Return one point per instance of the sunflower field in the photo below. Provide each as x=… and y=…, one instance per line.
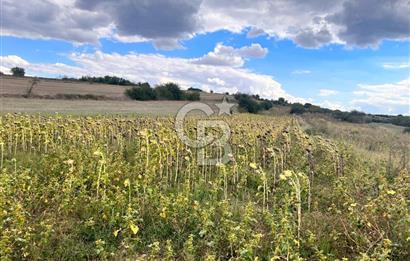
x=125, y=187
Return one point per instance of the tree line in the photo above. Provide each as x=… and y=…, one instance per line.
x=255, y=104
x=246, y=102
x=167, y=91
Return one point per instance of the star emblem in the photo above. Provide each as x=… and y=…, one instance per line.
x=224, y=107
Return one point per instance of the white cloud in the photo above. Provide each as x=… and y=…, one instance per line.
x=310, y=23
x=327, y=92
x=217, y=81
x=10, y=61
x=301, y=72
x=157, y=69
x=255, y=32
x=334, y=105
x=385, y=98
x=224, y=55
x=392, y=66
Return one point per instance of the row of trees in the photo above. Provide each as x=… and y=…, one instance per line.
x=114, y=80
x=168, y=91
x=254, y=104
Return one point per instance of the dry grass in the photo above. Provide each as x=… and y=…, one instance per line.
x=48, y=87
x=111, y=98
x=88, y=106
x=378, y=141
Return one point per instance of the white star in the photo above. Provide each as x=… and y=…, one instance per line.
x=224, y=107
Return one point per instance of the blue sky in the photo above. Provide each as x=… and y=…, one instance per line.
x=322, y=58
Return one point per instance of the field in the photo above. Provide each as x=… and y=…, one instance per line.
x=88, y=107
x=125, y=187
x=51, y=96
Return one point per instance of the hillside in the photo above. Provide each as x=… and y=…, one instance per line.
x=17, y=87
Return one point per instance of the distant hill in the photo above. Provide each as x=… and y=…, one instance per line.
x=74, y=89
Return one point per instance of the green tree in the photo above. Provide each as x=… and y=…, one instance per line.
x=18, y=71
x=297, y=108
x=141, y=92
x=169, y=91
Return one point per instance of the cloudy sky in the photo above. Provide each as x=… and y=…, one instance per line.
x=346, y=54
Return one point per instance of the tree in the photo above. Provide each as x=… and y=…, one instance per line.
x=297, y=108
x=282, y=101
x=141, y=92
x=192, y=96
x=247, y=103
x=169, y=91
x=18, y=71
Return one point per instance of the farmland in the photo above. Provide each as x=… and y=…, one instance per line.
x=51, y=96
x=117, y=187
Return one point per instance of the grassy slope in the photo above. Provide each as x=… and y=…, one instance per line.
x=114, y=101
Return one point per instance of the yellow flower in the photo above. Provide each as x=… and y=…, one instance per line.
x=287, y=173
x=116, y=232
x=253, y=165
x=126, y=182
x=391, y=192
x=163, y=213
x=134, y=228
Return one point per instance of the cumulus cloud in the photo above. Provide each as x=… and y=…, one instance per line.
x=224, y=55
x=367, y=22
x=327, y=92
x=311, y=38
x=52, y=19
x=385, y=98
x=255, y=32
x=334, y=105
x=310, y=23
x=157, y=69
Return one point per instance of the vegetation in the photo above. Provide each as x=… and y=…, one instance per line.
x=247, y=103
x=141, y=92
x=126, y=188
x=18, y=71
x=192, y=96
x=114, y=80
x=254, y=104
x=194, y=89
x=168, y=91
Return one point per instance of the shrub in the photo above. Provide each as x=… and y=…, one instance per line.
x=194, y=89
x=114, y=80
x=141, y=92
x=247, y=103
x=192, y=96
x=18, y=71
x=266, y=105
x=169, y=91
x=297, y=108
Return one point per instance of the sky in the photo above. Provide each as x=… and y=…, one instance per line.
x=347, y=54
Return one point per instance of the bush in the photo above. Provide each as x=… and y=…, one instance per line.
x=247, y=103
x=114, y=80
x=266, y=105
x=192, y=96
x=141, y=92
x=297, y=108
x=194, y=89
x=169, y=91
x=18, y=71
